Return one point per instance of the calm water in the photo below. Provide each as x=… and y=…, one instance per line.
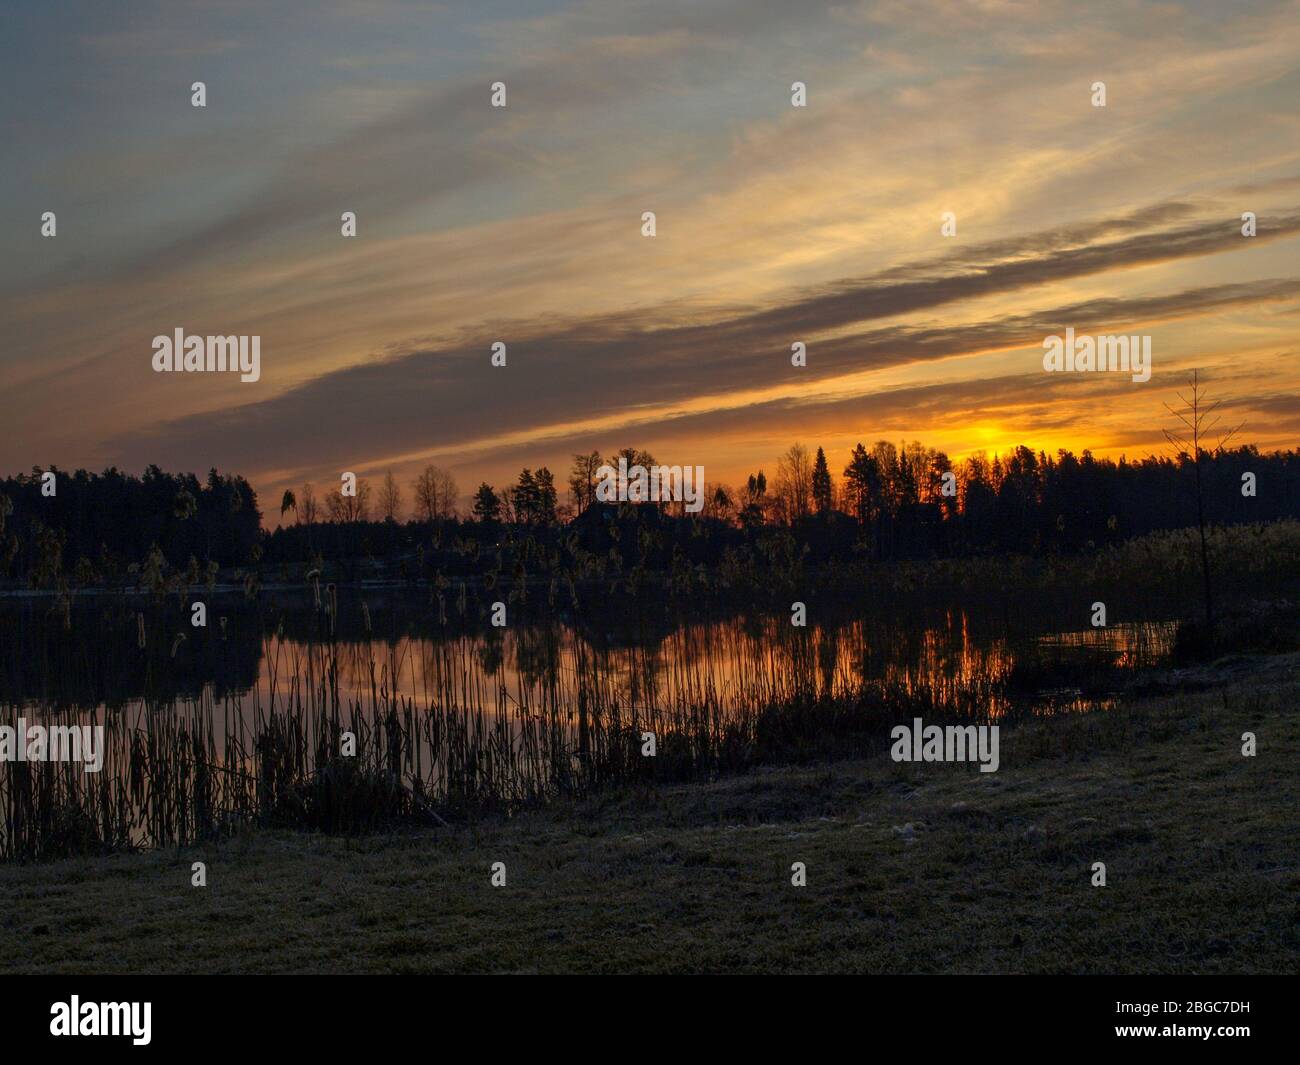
x=207, y=726
x=251, y=656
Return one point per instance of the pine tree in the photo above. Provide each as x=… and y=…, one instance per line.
x=546, y=497
x=821, y=485
x=487, y=504
x=525, y=496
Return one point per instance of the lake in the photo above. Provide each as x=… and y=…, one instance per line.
x=250, y=717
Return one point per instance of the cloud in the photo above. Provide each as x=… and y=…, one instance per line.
x=522, y=225
x=625, y=367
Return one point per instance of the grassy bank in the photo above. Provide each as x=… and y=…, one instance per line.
x=1201, y=845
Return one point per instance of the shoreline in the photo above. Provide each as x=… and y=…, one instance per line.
x=910, y=868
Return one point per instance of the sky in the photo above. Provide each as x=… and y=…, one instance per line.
x=775, y=225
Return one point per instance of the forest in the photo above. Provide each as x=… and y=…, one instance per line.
x=888, y=502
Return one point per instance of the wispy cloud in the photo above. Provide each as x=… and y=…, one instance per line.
x=776, y=224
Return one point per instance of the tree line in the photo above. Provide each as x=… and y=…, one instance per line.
x=1023, y=498
x=888, y=501
x=83, y=526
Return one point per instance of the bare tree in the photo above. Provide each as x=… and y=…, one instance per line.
x=435, y=494
x=355, y=507
x=1197, y=424
x=307, y=512
x=390, y=498
x=582, y=479
x=794, y=472
x=350, y=507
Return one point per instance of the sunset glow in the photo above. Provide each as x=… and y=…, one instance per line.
x=775, y=224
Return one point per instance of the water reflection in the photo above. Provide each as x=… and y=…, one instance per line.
x=249, y=719
x=101, y=663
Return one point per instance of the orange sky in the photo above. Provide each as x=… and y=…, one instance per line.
x=775, y=225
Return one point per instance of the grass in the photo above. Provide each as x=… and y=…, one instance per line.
x=1201, y=845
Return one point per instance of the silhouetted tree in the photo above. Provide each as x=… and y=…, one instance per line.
x=823, y=491
x=435, y=495
x=547, y=498
x=390, y=498
x=1198, y=421
x=487, y=505
x=794, y=473
x=582, y=479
